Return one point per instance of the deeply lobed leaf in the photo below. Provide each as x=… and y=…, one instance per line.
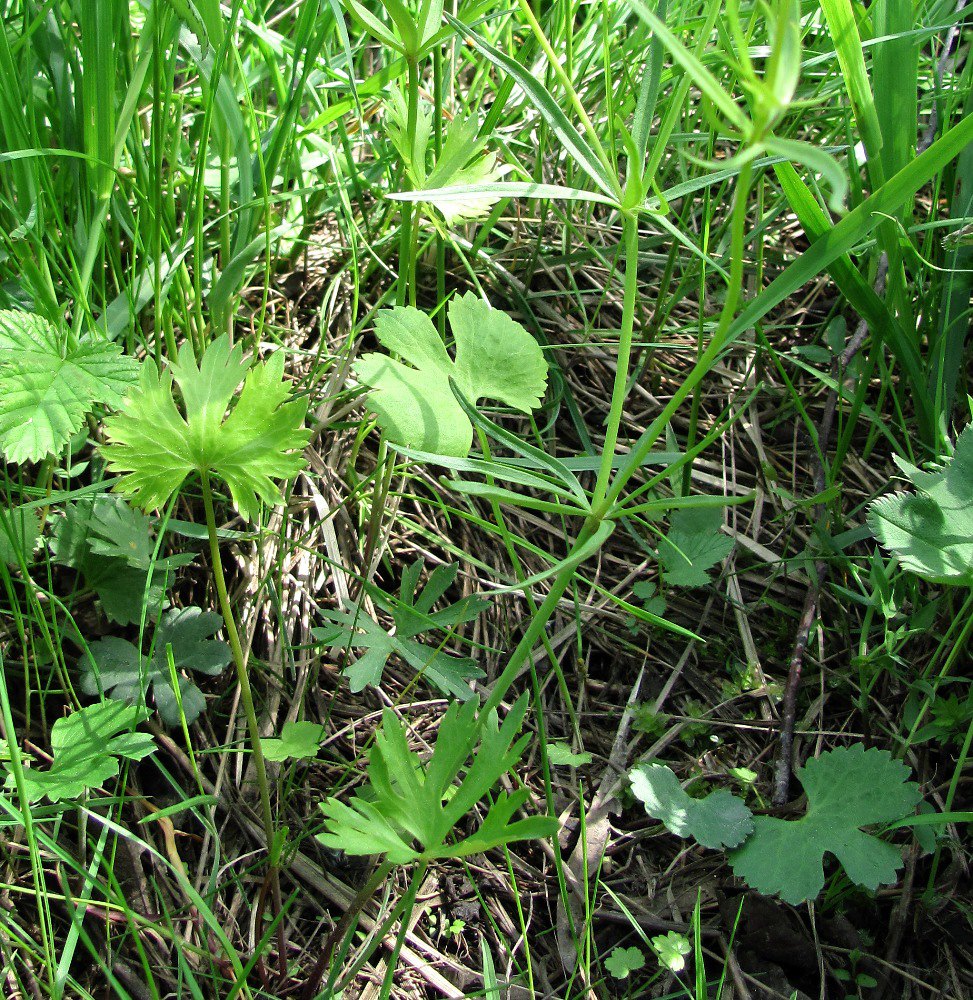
x=156, y=447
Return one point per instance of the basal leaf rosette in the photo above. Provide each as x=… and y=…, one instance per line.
x=496, y=358
x=248, y=443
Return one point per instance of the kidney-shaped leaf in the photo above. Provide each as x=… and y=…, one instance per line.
x=496, y=358
x=846, y=788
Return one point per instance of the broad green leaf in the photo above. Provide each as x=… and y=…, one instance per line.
x=111, y=545
x=117, y=667
x=692, y=546
x=561, y=754
x=297, y=741
x=19, y=534
x=931, y=531
x=847, y=789
x=47, y=387
x=719, y=820
x=495, y=358
x=413, y=809
x=458, y=185
x=85, y=746
x=156, y=446
x=624, y=961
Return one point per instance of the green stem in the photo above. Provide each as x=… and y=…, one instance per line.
x=240, y=661
x=406, y=291
x=630, y=241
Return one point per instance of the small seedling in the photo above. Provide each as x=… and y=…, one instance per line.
x=671, y=950
x=297, y=741
x=622, y=962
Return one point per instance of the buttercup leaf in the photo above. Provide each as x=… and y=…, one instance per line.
x=115, y=665
x=47, y=387
x=624, y=961
x=297, y=741
x=85, y=746
x=495, y=358
x=718, y=820
x=156, y=446
x=692, y=546
x=931, y=531
x=412, y=808
x=846, y=788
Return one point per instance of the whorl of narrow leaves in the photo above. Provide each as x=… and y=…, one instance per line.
x=496, y=358
x=47, y=387
x=156, y=444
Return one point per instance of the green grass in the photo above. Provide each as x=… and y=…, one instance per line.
x=700, y=203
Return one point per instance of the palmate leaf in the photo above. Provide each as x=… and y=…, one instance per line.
x=718, y=820
x=48, y=387
x=117, y=667
x=411, y=808
x=112, y=545
x=461, y=164
x=413, y=615
x=156, y=446
x=692, y=546
x=846, y=788
x=931, y=531
x=496, y=358
x=85, y=746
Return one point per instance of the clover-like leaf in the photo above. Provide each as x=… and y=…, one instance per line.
x=297, y=741
x=671, y=950
x=931, y=531
x=496, y=358
x=413, y=809
x=115, y=665
x=85, y=748
x=156, y=445
x=47, y=385
x=692, y=546
x=847, y=789
x=718, y=820
x=622, y=962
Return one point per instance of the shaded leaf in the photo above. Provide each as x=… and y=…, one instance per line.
x=297, y=741
x=692, y=546
x=85, y=748
x=116, y=665
x=718, y=820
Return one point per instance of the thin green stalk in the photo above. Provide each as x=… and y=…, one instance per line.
x=630, y=242
x=240, y=661
x=406, y=290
